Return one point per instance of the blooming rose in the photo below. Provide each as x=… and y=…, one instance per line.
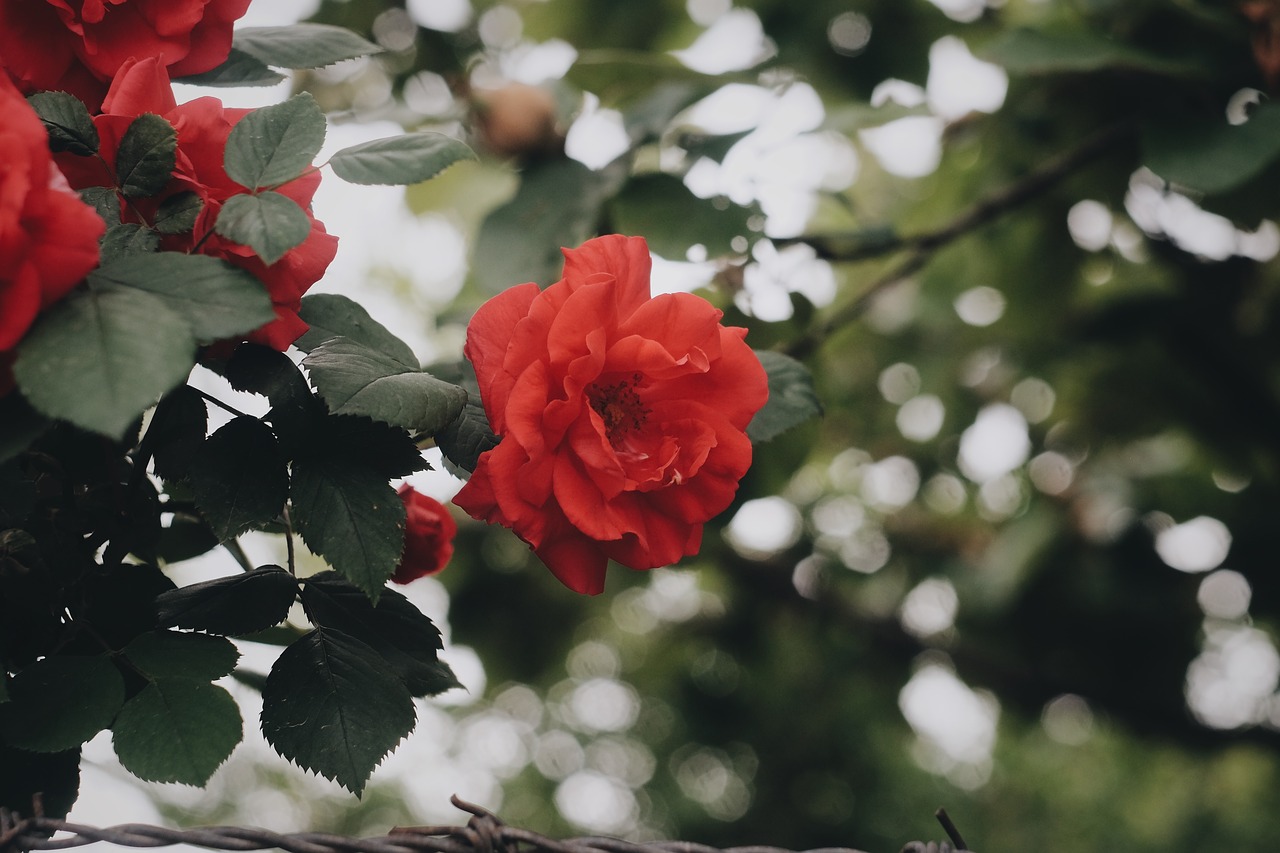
x=203, y=126
x=622, y=417
x=77, y=46
x=48, y=236
x=428, y=536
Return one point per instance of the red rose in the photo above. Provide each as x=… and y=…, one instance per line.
x=79, y=45
x=48, y=236
x=203, y=126
x=622, y=417
x=428, y=536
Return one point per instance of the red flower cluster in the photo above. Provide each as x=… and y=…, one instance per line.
x=48, y=236
x=78, y=46
x=428, y=536
x=203, y=126
x=622, y=417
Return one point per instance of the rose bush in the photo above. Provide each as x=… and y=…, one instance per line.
x=203, y=125
x=622, y=417
x=48, y=236
x=77, y=46
x=428, y=536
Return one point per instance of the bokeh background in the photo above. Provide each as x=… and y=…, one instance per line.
x=1025, y=565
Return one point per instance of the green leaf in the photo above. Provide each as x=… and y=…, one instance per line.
x=55, y=777
x=351, y=517
x=174, y=654
x=239, y=480
x=712, y=146
x=295, y=411
x=177, y=430
x=558, y=204
x=467, y=437
x=394, y=628
x=672, y=219
x=302, y=45
x=406, y=159
x=145, y=157
x=1212, y=156
x=217, y=300
x=101, y=356
x=177, y=730
x=621, y=75
x=234, y=606
x=239, y=69
x=58, y=703
x=105, y=202
x=126, y=239
x=356, y=380
x=177, y=214
x=20, y=425
x=1026, y=51
x=275, y=144
x=387, y=450
x=330, y=706
x=67, y=121
x=792, y=399
x=184, y=538
x=269, y=223
x=330, y=315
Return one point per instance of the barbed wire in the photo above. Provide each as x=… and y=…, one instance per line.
x=483, y=833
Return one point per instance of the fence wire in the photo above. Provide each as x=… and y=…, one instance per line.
x=483, y=833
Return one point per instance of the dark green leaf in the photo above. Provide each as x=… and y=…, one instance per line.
x=330, y=706
x=100, y=357
x=239, y=69
x=55, y=777
x=302, y=45
x=1212, y=156
x=386, y=450
x=330, y=315
x=356, y=380
x=177, y=730
x=125, y=239
x=404, y=159
x=394, y=628
x=68, y=122
x=269, y=223
x=295, y=411
x=105, y=201
x=120, y=602
x=467, y=437
x=177, y=214
x=275, y=144
x=174, y=654
x=1025, y=51
x=145, y=158
x=177, y=431
x=792, y=399
x=236, y=605
x=59, y=703
x=239, y=479
x=184, y=538
x=349, y=515
x=20, y=425
x=672, y=219
x=217, y=300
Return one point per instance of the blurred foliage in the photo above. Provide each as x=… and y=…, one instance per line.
x=1143, y=368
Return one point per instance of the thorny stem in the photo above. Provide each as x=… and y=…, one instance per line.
x=923, y=245
x=288, y=540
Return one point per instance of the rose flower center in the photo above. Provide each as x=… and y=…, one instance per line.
x=619, y=406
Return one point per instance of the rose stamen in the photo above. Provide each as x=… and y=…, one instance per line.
x=619, y=406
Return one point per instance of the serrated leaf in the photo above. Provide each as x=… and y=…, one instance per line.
x=275, y=144
x=792, y=399
x=177, y=214
x=177, y=730
x=331, y=315
x=356, y=380
x=406, y=159
x=351, y=517
x=67, y=121
x=329, y=705
x=55, y=777
x=386, y=450
x=269, y=223
x=104, y=201
x=20, y=425
x=174, y=654
x=468, y=436
x=233, y=606
x=125, y=239
x=58, y=703
x=239, y=69
x=145, y=156
x=102, y=356
x=239, y=480
x=394, y=628
x=673, y=219
x=184, y=538
x=295, y=411
x=302, y=45
x=1213, y=156
x=217, y=300
x=177, y=430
